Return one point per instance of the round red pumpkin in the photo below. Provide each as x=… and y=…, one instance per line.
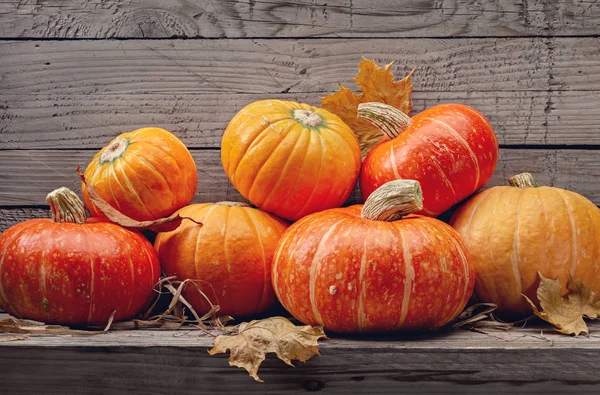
x=75, y=273
x=451, y=149
x=230, y=255
x=352, y=273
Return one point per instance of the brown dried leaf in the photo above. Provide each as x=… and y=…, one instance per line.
x=565, y=313
x=12, y=338
x=167, y=224
x=19, y=326
x=377, y=85
x=274, y=334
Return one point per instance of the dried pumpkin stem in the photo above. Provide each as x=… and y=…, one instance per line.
x=66, y=206
x=523, y=180
x=393, y=200
x=232, y=204
x=384, y=117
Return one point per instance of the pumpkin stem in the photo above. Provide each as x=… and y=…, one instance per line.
x=384, y=117
x=66, y=206
x=393, y=200
x=523, y=180
x=232, y=204
x=308, y=118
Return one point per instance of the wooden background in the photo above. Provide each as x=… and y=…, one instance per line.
x=74, y=74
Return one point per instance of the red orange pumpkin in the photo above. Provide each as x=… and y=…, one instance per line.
x=361, y=269
x=290, y=159
x=146, y=174
x=73, y=271
x=451, y=149
x=230, y=256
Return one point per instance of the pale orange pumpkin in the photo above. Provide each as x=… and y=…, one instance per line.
x=145, y=174
x=361, y=269
x=514, y=232
x=230, y=256
x=290, y=159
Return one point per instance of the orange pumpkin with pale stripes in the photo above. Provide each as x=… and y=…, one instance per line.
x=230, y=256
x=71, y=270
x=145, y=174
x=451, y=149
x=514, y=232
x=351, y=272
x=290, y=159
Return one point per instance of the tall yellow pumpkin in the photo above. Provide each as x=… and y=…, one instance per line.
x=512, y=232
x=290, y=159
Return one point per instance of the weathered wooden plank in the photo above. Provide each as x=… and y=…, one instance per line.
x=303, y=18
x=90, y=121
x=296, y=66
x=11, y=216
x=27, y=176
x=154, y=362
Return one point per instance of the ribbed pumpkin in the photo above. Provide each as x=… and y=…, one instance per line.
x=145, y=174
x=362, y=269
x=451, y=149
x=290, y=159
x=72, y=271
x=231, y=256
x=514, y=232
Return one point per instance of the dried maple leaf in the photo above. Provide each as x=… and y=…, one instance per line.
x=377, y=85
x=565, y=313
x=275, y=334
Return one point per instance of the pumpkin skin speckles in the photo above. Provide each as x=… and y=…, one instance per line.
x=290, y=159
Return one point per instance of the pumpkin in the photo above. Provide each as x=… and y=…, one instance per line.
x=367, y=269
x=290, y=159
x=451, y=149
x=230, y=255
x=74, y=271
x=514, y=232
x=146, y=174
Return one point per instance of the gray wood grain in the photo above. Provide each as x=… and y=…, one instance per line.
x=536, y=359
x=279, y=66
x=91, y=121
x=27, y=176
x=304, y=18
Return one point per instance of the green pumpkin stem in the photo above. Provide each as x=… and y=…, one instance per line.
x=66, y=206
x=393, y=200
x=523, y=180
x=384, y=117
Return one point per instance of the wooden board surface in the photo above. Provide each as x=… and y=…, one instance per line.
x=303, y=18
x=278, y=66
x=78, y=120
x=535, y=358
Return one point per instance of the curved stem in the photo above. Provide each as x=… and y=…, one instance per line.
x=384, y=117
x=523, y=180
x=66, y=206
x=393, y=200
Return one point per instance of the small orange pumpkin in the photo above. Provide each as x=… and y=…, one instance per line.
x=230, y=256
x=290, y=159
x=145, y=174
x=514, y=232
x=360, y=269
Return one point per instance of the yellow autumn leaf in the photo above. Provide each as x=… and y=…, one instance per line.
x=377, y=85
x=565, y=313
x=259, y=337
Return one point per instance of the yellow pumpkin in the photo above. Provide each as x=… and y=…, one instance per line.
x=290, y=159
x=512, y=232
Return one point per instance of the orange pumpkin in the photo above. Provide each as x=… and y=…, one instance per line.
x=290, y=159
x=514, y=232
x=360, y=269
x=230, y=255
x=145, y=174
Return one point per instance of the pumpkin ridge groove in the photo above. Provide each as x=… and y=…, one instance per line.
x=2, y=256
x=514, y=256
x=92, y=273
x=132, y=277
x=393, y=163
x=593, y=227
x=573, y=232
x=287, y=163
x=152, y=167
x=264, y=258
x=318, y=178
x=143, y=185
x=131, y=188
x=409, y=277
x=198, y=239
x=443, y=174
x=313, y=271
x=361, y=294
x=464, y=143
x=42, y=279
x=108, y=181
